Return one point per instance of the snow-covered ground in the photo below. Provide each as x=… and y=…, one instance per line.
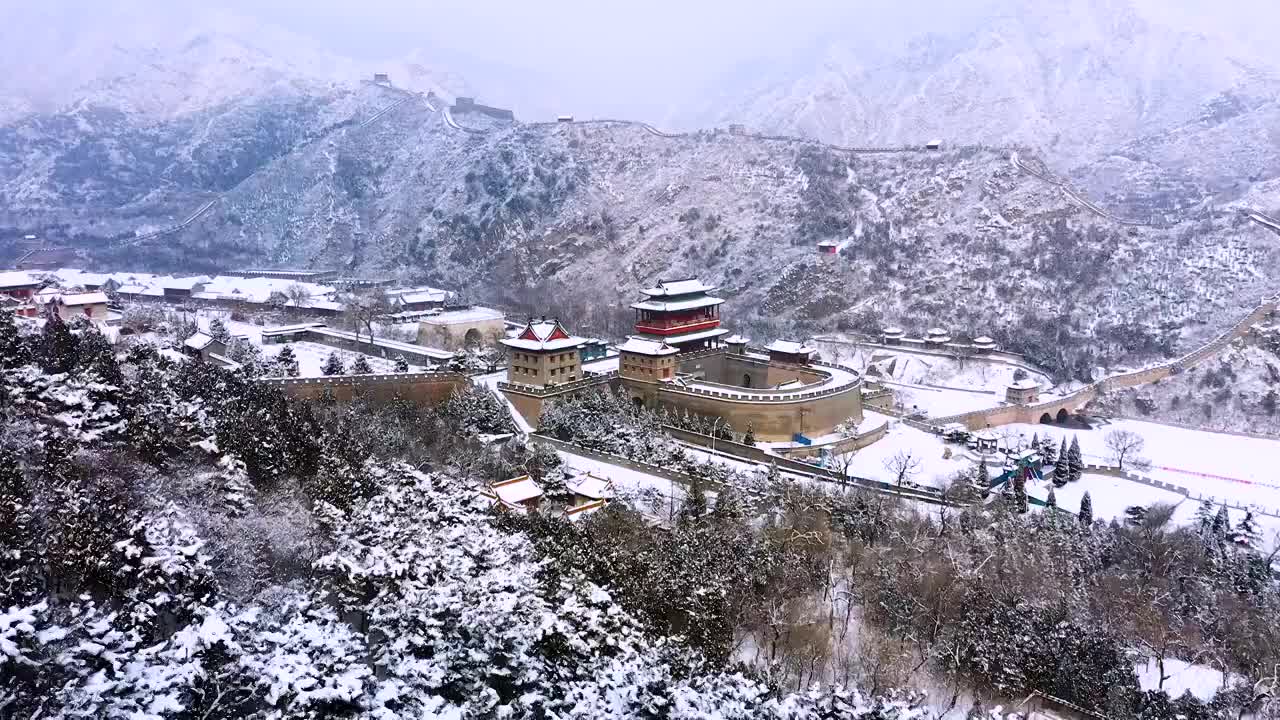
x=929, y=449
x=1111, y=495
x=311, y=357
x=1223, y=467
x=939, y=402
x=1202, y=681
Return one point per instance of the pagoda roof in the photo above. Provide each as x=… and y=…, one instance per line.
x=674, y=288
x=544, y=335
x=687, y=337
x=675, y=305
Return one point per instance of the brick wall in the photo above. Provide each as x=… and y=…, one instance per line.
x=431, y=388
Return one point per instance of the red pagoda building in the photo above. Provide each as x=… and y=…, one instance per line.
x=680, y=313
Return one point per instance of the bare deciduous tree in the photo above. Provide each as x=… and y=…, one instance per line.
x=903, y=466
x=1124, y=445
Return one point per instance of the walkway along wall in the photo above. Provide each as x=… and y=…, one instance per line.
x=1006, y=414
x=426, y=388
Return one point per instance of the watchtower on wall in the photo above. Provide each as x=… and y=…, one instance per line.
x=544, y=353
x=646, y=360
x=680, y=313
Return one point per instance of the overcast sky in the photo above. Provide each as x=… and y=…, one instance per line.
x=623, y=56
x=589, y=57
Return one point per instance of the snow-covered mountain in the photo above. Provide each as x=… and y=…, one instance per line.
x=1075, y=78
x=167, y=60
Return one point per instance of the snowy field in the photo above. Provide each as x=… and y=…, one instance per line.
x=311, y=357
x=1214, y=465
x=940, y=402
x=1202, y=681
x=1111, y=495
x=934, y=469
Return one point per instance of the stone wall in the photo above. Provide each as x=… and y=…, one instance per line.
x=813, y=414
x=428, y=388
x=441, y=332
x=1007, y=414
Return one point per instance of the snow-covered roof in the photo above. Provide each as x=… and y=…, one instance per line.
x=290, y=329
x=198, y=341
x=77, y=299
x=182, y=283
x=640, y=346
x=18, y=279
x=687, y=337
x=468, y=315
x=574, y=514
x=677, y=287
x=937, y=332
x=983, y=340
x=591, y=486
x=1024, y=384
x=690, y=304
x=544, y=335
x=131, y=289
x=515, y=491
x=893, y=330
x=422, y=296
x=789, y=347
x=736, y=339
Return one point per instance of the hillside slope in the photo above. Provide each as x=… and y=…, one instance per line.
x=523, y=214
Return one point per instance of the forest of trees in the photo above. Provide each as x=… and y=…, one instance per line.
x=177, y=541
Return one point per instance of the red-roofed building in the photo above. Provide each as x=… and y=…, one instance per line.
x=544, y=353
x=680, y=313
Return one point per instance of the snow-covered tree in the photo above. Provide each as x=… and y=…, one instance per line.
x=750, y=437
x=218, y=331
x=1062, y=466
x=19, y=536
x=1048, y=452
x=168, y=575
x=58, y=347
x=1052, y=499
x=401, y=365
x=1075, y=460
x=1246, y=535
x=333, y=365
x=14, y=350
x=286, y=363
x=360, y=366
x=1086, y=510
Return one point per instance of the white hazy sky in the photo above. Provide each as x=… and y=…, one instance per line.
x=592, y=57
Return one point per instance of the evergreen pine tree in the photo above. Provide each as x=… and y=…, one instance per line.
x=96, y=356
x=1052, y=500
x=1009, y=495
x=1020, y=492
x=14, y=351
x=1062, y=468
x=1048, y=451
x=58, y=348
x=1075, y=460
x=402, y=365
x=695, y=503
x=333, y=365
x=750, y=438
x=1221, y=524
x=361, y=366
x=286, y=363
x=1204, y=518
x=1035, y=444
x=1246, y=534
x=1135, y=515
x=1086, y=510
x=19, y=549
x=218, y=331
x=982, y=476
